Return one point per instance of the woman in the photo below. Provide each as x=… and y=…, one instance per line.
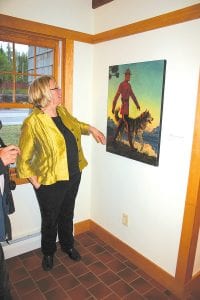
x=52, y=159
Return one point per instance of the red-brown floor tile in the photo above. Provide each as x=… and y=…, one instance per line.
x=143, y=274
x=100, y=290
x=56, y=294
x=87, y=241
x=14, y=263
x=121, y=288
x=32, y=262
x=112, y=297
x=59, y=271
x=105, y=257
x=88, y=279
x=129, y=264
x=98, y=268
x=68, y=282
x=14, y=294
x=155, y=294
x=47, y=284
x=116, y=265
x=78, y=269
x=25, y=286
x=134, y=296
x=88, y=258
x=34, y=295
x=38, y=274
x=141, y=285
x=79, y=293
x=128, y=275
x=18, y=274
x=120, y=257
x=109, y=277
x=96, y=249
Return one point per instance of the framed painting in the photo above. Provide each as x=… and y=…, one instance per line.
x=134, y=112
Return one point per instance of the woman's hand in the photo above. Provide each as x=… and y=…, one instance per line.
x=97, y=135
x=33, y=180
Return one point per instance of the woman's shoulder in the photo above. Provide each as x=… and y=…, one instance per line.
x=32, y=116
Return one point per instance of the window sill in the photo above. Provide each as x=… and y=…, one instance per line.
x=18, y=181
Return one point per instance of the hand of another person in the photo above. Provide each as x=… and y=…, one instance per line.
x=9, y=154
x=98, y=135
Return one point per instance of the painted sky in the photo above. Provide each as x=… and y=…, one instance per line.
x=147, y=84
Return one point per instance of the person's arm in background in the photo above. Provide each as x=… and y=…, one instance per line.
x=8, y=156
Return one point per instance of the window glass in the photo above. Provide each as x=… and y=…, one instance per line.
x=19, y=65
x=22, y=88
x=6, y=57
x=12, y=120
x=21, y=58
x=6, y=88
x=44, y=60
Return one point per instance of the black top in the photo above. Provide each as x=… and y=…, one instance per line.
x=71, y=145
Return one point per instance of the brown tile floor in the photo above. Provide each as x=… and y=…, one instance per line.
x=103, y=273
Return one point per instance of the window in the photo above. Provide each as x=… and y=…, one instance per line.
x=20, y=64
x=49, y=50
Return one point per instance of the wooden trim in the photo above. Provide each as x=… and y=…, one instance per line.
x=191, y=220
x=137, y=259
x=68, y=73
x=32, y=39
x=171, y=18
x=15, y=105
x=175, y=17
x=50, y=31
x=81, y=227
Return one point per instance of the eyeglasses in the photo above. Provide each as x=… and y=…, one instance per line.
x=56, y=88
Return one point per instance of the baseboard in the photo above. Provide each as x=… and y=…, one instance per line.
x=32, y=242
x=22, y=245
x=155, y=272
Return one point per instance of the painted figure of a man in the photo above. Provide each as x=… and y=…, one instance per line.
x=125, y=90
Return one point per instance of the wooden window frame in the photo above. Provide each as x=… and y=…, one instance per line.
x=18, y=36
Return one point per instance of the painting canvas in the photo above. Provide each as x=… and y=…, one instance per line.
x=134, y=113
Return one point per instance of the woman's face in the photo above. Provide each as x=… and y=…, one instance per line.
x=56, y=93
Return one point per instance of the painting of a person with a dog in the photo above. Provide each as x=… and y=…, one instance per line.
x=134, y=114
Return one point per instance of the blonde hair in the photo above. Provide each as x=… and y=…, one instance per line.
x=39, y=92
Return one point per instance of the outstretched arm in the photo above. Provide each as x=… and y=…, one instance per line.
x=97, y=135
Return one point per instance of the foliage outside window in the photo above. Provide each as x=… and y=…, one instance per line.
x=19, y=65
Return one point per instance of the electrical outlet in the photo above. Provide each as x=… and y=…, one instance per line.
x=125, y=219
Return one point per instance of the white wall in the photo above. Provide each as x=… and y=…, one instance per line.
x=122, y=12
x=82, y=109
x=153, y=197
x=70, y=14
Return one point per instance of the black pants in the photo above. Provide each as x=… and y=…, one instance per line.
x=56, y=203
x=4, y=280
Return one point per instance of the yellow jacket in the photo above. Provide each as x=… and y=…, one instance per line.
x=43, y=148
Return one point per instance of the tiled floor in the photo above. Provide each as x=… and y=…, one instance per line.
x=103, y=273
